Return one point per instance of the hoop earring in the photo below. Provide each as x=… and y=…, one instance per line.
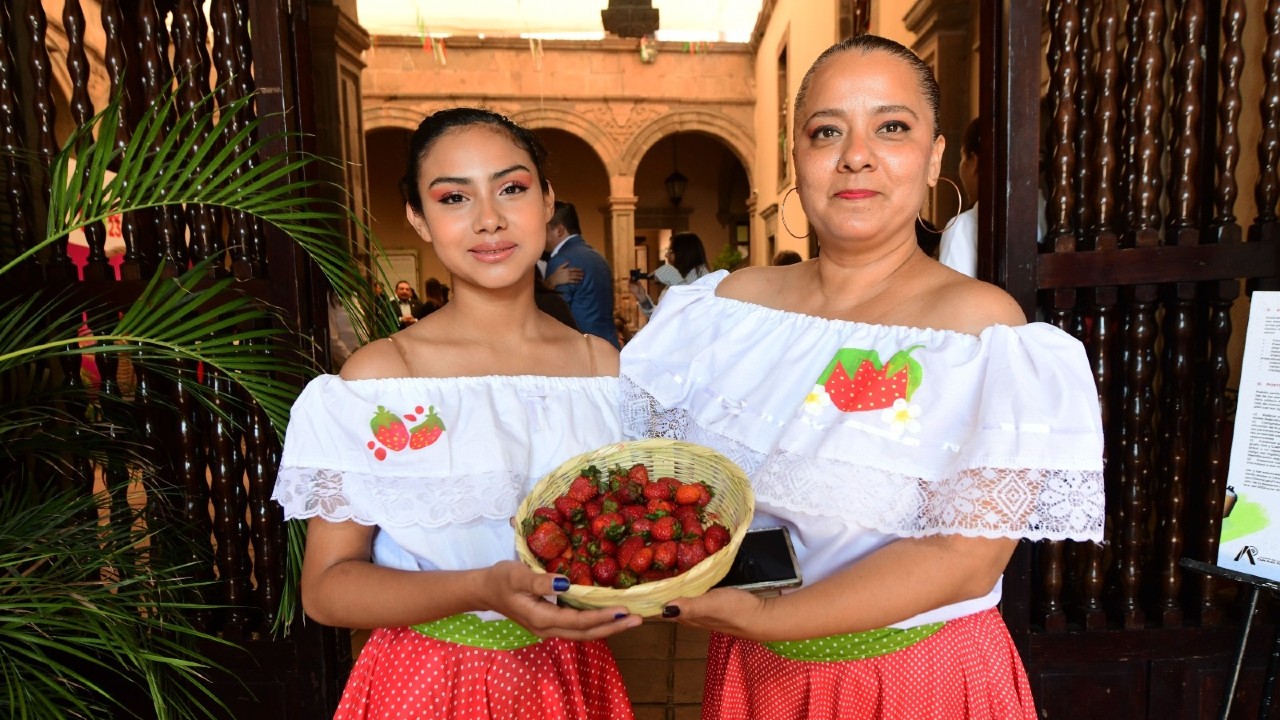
x=952, y=221
x=782, y=213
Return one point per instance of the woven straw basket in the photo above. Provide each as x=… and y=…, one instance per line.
x=732, y=501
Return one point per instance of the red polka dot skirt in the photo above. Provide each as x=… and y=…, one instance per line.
x=968, y=670
x=402, y=674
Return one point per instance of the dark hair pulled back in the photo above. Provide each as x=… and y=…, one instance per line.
x=437, y=124
x=925, y=79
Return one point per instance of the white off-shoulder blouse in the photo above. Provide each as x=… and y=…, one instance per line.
x=439, y=465
x=856, y=434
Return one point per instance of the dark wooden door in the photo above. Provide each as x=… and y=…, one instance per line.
x=224, y=471
x=1159, y=228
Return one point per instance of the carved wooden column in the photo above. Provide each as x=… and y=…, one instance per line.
x=337, y=41
x=943, y=41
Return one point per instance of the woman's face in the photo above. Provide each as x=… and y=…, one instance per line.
x=865, y=154
x=482, y=207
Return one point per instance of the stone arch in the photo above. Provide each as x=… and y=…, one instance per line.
x=734, y=136
x=397, y=116
x=604, y=146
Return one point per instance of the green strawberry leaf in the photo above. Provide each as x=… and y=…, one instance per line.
x=902, y=359
x=851, y=358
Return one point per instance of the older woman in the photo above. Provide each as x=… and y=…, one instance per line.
x=901, y=419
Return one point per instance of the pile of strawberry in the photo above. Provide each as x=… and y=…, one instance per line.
x=620, y=528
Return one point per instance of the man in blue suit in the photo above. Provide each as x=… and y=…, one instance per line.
x=591, y=299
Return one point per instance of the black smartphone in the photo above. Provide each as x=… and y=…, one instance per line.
x=765, y=563
x=637, y=275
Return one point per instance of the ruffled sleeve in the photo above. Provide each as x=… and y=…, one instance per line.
x=321, y=450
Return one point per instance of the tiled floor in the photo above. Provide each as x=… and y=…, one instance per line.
x=662, y=664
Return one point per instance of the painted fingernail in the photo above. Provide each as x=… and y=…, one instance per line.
x=560, y=584
x=619, y=616
x=670, y=611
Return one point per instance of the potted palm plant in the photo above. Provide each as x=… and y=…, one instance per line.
x=88, y=605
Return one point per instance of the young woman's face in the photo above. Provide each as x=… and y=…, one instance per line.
x=482, y=206
x=865, y=151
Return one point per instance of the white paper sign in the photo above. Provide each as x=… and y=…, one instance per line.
x=1250, y=539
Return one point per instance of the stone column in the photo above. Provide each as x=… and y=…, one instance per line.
x=622, y=233
x=758, y=248
x=622, y=225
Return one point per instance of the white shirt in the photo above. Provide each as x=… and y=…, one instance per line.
x=959, y=247
x=995, y=435
x=445, y=505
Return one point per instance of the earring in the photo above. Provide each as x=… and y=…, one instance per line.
x=782, y=213
x=952, y=221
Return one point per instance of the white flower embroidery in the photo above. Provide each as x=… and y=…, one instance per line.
x=817, y=400
x=902, y=417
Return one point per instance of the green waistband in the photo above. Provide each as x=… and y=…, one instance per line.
x=853, y=646
x=467, y=629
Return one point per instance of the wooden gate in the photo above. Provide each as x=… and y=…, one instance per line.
x=148, y=50
x=1148, y=262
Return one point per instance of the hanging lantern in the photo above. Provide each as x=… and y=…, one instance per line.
x=630, y=18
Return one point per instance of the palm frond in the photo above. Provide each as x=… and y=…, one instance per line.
x=86, y=607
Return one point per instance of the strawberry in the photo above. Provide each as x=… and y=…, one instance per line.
x=546, y=513
x=592, y=508
x=607, y=547
x=639, y=473
x=568, y=507
x=641, y=526
x=579, y=573
x=657, y=506
x=664, y=555
x=690, y=526
x=605, y=571
x=657, y=491
x=641, y=560
x=389, y=430
x=608, y=525
x=628, y=491
x=426, y=432
x=872, y=386
x=706, y=494
x=627, y=549
x=690, y=553
x=665, y=528
x=689, y=494
x=654, y=575
x=715, y=537
x=683, y=512
x=583, y=488
x=547, y=540
x=626, y=579
x=631, y=513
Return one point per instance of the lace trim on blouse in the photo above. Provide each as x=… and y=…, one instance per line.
x=993, y=499
x=433, y=502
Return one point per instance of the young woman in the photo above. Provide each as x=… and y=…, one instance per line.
x=412, y=463
x=901, y=419
x=686, y=261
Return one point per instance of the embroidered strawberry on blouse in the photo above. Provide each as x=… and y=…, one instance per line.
x=426, y=432
x=873, y=385
x=389, y=430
